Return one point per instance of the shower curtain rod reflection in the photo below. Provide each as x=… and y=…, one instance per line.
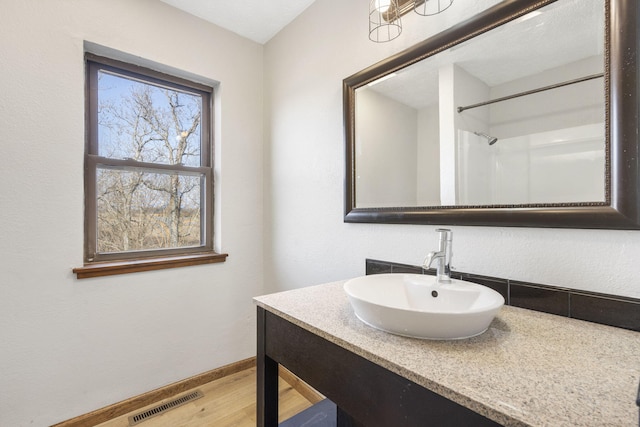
x=529, y=92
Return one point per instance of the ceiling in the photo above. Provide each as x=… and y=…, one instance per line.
x=257, y=20
x=564, y=33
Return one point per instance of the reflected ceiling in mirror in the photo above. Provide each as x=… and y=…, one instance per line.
x=514, y=116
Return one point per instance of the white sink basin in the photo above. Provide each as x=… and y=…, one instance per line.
x=413, y=305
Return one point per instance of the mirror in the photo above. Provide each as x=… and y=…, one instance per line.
x=521, y=116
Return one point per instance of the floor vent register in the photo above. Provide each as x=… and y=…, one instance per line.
x=165, y=407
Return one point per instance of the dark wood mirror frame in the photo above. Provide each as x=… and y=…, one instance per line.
x=621, y=209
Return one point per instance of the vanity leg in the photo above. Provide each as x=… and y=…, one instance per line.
x=344, y=420
x=267, y=380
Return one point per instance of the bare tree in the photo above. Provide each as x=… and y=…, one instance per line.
x=142, y=208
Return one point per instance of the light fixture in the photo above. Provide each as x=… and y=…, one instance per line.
x=431, y=7
x=384, y=20
x=381, y=79
x=529, y=15
x=384, y=15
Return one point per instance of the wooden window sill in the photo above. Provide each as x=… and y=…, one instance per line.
x=134, y=266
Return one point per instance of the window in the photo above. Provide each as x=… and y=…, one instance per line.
x=148, y=170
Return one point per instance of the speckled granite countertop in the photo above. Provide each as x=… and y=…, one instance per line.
x=528, y=369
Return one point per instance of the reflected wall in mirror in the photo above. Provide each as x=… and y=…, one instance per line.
x=418, y=143
x=518, y=116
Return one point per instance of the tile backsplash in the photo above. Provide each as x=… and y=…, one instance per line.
x=612, y=310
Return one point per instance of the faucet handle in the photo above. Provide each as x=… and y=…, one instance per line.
x=426, y=264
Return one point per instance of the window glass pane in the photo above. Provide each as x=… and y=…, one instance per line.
x=142, y=210
x=147, y=123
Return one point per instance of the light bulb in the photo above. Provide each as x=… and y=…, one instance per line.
x=383, y=5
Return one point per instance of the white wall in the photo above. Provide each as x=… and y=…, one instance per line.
x=428, y=159
x=390, y=130
x=476, y=170
x=563, y=165
x=67, y=346
x=471, y=181
x=308, y=242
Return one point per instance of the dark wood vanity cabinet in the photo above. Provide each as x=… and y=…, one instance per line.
x=366, y=394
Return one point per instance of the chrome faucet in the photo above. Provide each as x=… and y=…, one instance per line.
x=442, y=256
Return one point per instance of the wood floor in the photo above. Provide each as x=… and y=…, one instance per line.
x=227, y=402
